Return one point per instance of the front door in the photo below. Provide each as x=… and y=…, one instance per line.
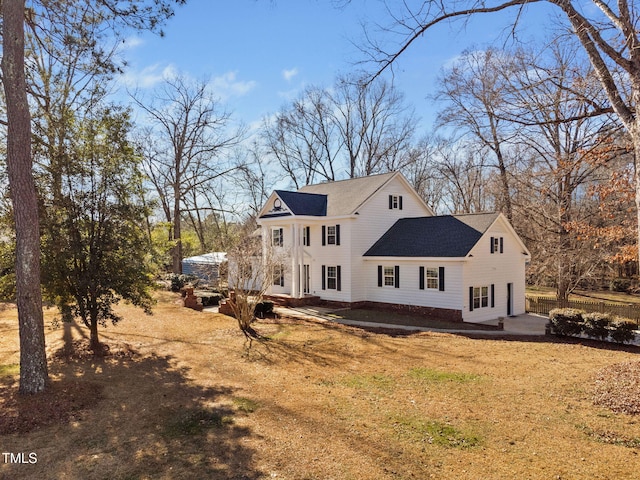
x=509, y=299
x=305, y=279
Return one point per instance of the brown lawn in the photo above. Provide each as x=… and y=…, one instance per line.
x=181, y=398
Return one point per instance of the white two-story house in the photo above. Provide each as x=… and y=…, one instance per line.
x=373, y=241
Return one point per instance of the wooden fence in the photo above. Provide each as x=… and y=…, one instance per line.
x=542, y=306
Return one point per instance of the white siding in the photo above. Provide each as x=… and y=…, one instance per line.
x=409, y=292
x=374, y=219
x=499, y=269
x=331, y=255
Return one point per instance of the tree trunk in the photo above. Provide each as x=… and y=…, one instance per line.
x=635, y=135
x=176, y=251
x=94, y=342
x=33, y=361
x=506, y=194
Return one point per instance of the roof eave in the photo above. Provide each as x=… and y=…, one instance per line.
x=429, y=259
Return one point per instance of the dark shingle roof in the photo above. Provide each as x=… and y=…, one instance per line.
x=304, y=203
x=442, y=236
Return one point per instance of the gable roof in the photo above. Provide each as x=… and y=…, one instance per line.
x=441, y=236
x=304, y=203
x=346, y=196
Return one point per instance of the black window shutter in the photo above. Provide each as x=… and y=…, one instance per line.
x=400, y=202
x=493, y=295
x=281, y=237
x=390, y=202
x=324, y=277
x=501, y=244
x=441, y=279
x=491, y=244
x=338, y=278
x=471, y=299
x=337, y=234
x=308, y=236
x=324, y=236
x=379, y=275
x=421, y=278
x=397, y=276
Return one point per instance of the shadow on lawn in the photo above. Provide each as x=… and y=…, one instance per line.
x=142, y=417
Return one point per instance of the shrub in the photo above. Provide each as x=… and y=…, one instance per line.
x=263, y=308
x=566, y=321
x=179, y=281
x=210, y=299
x=620, y=285
x=596, y=325
x=623, y=330
x=176, y=283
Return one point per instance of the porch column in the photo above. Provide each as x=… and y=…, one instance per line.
x=300, y=261
x=295, y=280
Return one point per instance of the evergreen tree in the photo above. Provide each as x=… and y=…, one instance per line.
x=95, y=249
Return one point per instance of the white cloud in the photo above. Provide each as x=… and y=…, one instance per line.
x=148, y=77
x=224, y=86
x=227, y=85
x=289, y=74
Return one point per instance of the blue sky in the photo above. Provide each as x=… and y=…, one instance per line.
x=260, y=53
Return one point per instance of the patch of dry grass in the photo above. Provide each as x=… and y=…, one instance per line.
x=181, y=397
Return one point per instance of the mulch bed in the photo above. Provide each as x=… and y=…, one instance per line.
x=617, y=387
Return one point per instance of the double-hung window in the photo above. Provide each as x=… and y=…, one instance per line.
x=389, y=277
x=277, y=237
x=480, y=297
x=331, y=235
x=306, y=237
x=432, y=278
x=332, y=278
x=278, y=275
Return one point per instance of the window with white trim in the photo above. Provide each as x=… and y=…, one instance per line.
x=331, y=235
x=395, y=202
x=480, y=297
x=497, y=244
x=389, y=275
x=432, y=278
x=277, y=237
x=332, y=278
x=305, y=236
x=278, y=275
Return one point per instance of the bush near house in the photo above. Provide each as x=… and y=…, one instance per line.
x=263, y=309
x=178, y=282
x=209, y=299
x=599, y=326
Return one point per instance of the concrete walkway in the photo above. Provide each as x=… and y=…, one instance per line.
x=525, y=324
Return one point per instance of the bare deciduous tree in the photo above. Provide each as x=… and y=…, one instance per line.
x=354, y=127
x=608, y=34
x=252, y=266
x=474, y=89
x=187, y=140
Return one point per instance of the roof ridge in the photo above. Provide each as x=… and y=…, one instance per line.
x=330, y=182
